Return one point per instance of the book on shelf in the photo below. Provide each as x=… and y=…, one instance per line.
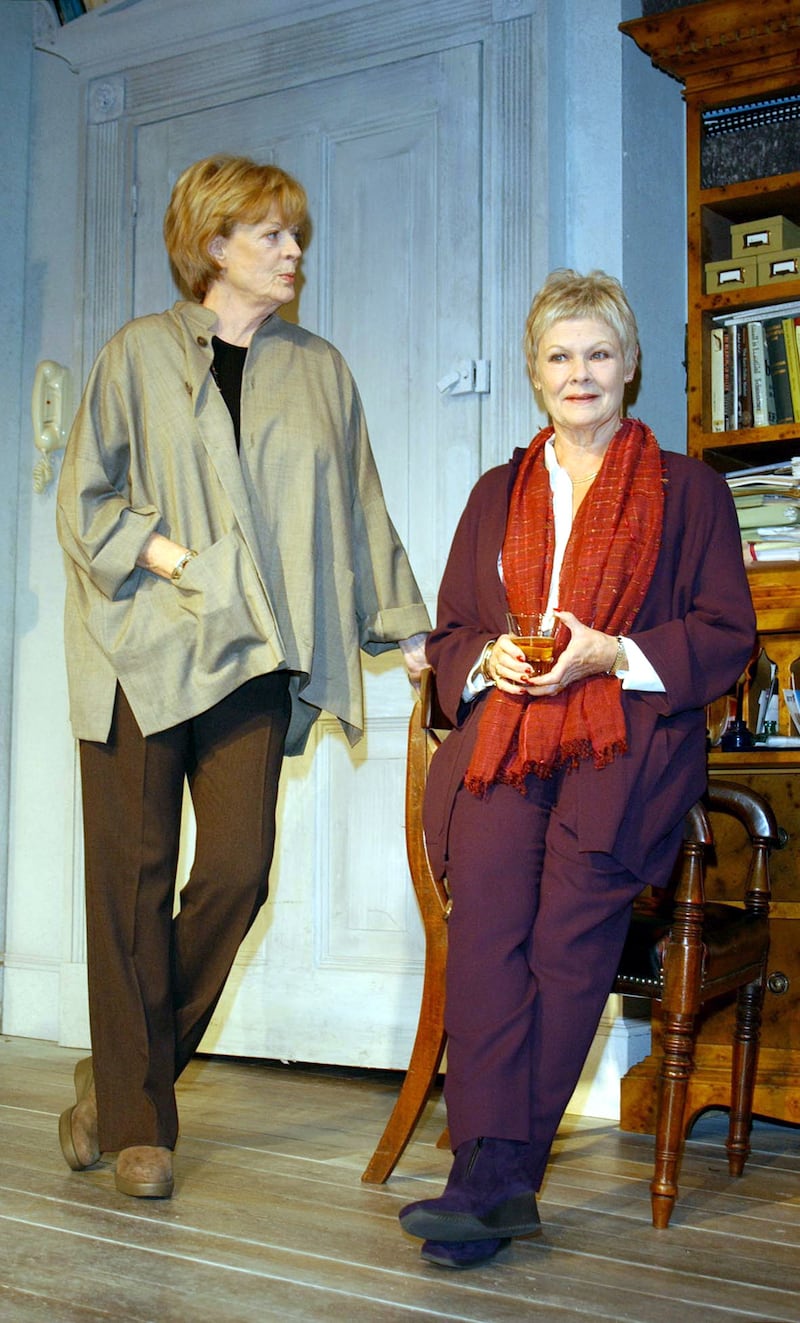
x=759, y=552
x=749, y=489
x=792, y=363
x=731, y=378
x=789, y=308
x=775, y=337
x=745, y=497
x=763, y=394
x=744, y=391
x=767, y=477
x=728, y=379
x=770, y=514
x=745, y=500
x=781, y=472
x=718, y=379
x=790, y=533
x=772, y=409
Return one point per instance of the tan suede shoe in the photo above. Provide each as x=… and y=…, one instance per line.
x=144, y=1172
x=77, y=1126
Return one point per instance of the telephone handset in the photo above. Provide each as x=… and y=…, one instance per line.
x=50, y=402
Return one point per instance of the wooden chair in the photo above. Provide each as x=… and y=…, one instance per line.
x=681, y=951
x=426, y=728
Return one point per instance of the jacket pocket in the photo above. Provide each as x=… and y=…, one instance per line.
x=221, y=603
x=213, y=616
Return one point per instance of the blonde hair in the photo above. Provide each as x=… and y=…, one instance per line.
x=214, y=195
x=566, y=295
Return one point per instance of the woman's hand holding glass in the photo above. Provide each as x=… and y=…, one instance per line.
x=589, y=652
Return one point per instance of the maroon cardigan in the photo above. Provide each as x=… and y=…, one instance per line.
x=696, y=626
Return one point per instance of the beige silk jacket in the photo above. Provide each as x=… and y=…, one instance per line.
x=298, y=564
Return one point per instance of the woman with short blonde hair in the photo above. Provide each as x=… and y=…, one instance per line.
x=562, y=790
x=566, y=295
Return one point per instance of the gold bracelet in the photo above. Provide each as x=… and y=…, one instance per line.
x=618, y=660
x=484, y=664
x=181, y=564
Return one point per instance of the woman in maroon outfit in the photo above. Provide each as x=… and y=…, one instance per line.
x=557, y=797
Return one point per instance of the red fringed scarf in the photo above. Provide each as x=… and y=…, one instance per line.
x=607, y=568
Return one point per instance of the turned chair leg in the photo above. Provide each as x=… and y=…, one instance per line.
x=743, y=1074
x=676, y=1068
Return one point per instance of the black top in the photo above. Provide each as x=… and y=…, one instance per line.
x=227, y=370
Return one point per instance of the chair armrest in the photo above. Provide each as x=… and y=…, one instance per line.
x=753, y=811
x=758, y=819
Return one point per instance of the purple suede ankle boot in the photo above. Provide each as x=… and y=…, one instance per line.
x=461, y=1253
x=488, y=1195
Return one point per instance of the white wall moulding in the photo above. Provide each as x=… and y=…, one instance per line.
x=106, y=99
x=152, y=30
x=504, y=10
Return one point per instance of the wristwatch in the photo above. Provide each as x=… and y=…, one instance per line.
x=619, y=662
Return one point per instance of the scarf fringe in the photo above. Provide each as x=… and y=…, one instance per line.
x=567, y=759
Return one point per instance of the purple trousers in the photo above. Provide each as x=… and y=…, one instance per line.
x=535, y=937
x=155, y=976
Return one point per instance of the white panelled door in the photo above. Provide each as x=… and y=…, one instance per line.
x=391, y=159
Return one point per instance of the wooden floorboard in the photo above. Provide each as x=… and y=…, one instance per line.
x=270, y=1220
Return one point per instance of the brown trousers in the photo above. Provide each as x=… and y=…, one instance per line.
x=155, y=977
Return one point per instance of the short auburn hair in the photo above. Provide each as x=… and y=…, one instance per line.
x=210, y=198
x=566, y=295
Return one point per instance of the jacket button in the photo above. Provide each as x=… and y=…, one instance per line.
x=202, y=341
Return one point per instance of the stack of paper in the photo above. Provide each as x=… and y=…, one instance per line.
x=767, y=504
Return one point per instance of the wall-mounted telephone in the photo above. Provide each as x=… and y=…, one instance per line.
x=50, y=407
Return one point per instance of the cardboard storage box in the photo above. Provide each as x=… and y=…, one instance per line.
x=774, y=267
x=771, y=234
x=738, y=273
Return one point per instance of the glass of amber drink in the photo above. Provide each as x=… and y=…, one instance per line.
x=534, y=638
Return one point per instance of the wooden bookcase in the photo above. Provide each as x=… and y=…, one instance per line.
x=729, y=54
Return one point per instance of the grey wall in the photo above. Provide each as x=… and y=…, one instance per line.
x=616, y=187
x=16, y=20
x=654, y=235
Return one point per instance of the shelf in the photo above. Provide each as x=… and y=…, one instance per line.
x=759, y=759
x=747, y=201
x=755, y=297
x=707, y=311
x=752, y=446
